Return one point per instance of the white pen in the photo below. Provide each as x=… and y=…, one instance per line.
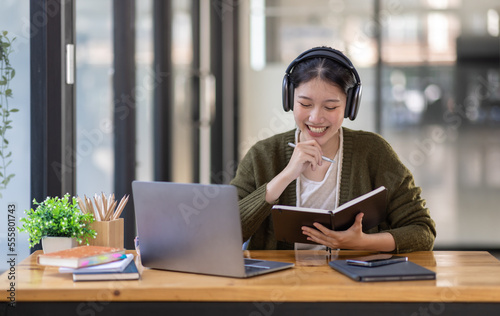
x=324, y=158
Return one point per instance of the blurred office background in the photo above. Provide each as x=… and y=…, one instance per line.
x=204, y=84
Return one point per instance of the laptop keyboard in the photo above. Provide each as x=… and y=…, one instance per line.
x=252, y=269
x=250, y=266
x=251, y=261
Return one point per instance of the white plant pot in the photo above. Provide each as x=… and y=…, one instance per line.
x=51, y=244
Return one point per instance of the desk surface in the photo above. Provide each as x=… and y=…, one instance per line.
x=462, y=276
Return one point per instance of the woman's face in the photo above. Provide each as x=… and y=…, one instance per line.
x=318, y=110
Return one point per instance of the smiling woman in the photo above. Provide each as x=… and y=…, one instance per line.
x=319, y=113
x=322, y=88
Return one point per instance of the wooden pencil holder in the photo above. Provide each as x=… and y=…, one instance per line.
x=109, y=233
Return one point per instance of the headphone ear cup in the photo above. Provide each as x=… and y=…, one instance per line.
x=348, y=103
x=291, y=90
x=354, y=100
x=285, y=93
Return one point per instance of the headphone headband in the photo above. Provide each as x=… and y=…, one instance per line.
x=321, y=52
x=353, y=94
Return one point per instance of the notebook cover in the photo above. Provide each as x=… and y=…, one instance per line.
x=288, y=220
x=403, y=271
x=373, y=205
x=114, y=266
x=130, y=273
x=81, y=256
x=288, y=223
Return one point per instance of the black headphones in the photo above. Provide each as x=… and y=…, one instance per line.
x=353, y=94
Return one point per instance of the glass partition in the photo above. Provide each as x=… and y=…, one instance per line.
x=441, y=93
x=94, y=97
x=145, y=82
x=15, y=150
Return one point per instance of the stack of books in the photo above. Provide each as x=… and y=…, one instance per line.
x=93, y=263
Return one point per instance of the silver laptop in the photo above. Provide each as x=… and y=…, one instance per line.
x=193, y=228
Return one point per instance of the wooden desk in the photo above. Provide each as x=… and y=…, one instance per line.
x=466, y=281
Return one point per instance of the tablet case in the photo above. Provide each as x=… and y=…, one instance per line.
x=403, y=271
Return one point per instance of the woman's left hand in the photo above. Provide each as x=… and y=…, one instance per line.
x=348, y=239
x=353, y=238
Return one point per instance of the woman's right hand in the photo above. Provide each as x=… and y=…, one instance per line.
x=306, y=154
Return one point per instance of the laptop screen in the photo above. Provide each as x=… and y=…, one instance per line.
x=189, y=227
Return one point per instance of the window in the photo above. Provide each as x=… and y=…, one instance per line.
x=15, y=158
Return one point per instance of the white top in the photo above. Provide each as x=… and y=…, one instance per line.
x=322, y=194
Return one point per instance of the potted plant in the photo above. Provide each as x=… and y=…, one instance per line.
x=57, y=220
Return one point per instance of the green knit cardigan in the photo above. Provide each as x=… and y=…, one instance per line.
x=368, y=162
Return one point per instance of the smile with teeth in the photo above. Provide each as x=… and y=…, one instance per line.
x=317, y=130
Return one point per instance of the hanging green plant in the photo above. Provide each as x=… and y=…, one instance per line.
x=7, y=73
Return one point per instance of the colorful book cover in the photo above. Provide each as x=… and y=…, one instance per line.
x=81, y=256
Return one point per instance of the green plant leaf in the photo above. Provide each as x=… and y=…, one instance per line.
x=6, y=73
x=14, y=110
x=7, y=180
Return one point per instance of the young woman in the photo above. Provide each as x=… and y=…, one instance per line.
x=322, y=88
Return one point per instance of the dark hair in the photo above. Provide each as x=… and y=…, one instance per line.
x=324, y=69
